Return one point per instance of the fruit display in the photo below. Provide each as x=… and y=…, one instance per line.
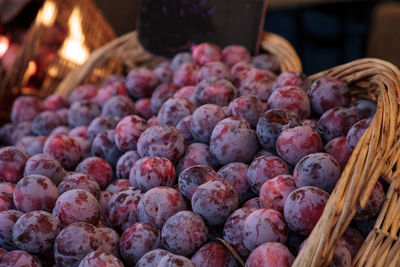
x=154, y=168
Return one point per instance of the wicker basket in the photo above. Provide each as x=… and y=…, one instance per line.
x=75, y=17
x=375, y=156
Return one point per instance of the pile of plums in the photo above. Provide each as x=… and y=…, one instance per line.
x=152, y=169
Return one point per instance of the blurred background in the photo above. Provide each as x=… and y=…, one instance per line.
x=325, y=33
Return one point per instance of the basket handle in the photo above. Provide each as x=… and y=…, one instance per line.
x=376, y=153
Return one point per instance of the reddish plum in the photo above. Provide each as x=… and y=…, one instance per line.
x=272, y=123
x=292, y=98
x=179, y=59
x=104, y=197
x=103, y=146
x=295, y=143
x=19, y=258
x=338, y=149
x=97, y=168
x=79, y=181
x=60, y=130
x=152, y=121
x=206, y=52
x=76, y=205
x=55, y=102
x=265, y=168
x=291, y=78
x=256, y=82
x=271, y=254
x=8, y=218
x=266, y=62
x=140, y=82
x=22, y=129
x=45, y=165
x=35, y=192
x=174, y=110
x=363, y=108
x=152, y=258
x=163, y=72
x=187, y=92
x=233, y=54
x=304, y=207
x=64, y=149
x=12, y=163
x=119, y=107
x=99, y=125
x=248, y=107
x=262, y=226
x=192, y=177
x=336, y=122
x=233, y=229
x=317, y=169
x=356, y=132
x=83, y=92
x=121, y=211
x=373, y=205
x=6, y=132
x=128, y=131
x=204, y=119
x=232, y=140
x=274, y=192
x=310, y=123
x=100, y=258
x=183, y=127
x=161, y=94
x=215, y=200
x=213, y=69
x=74, y=242
x=137, y=240
x=125, y=164
x=149, y=172
x=6, y=201
x=195, y=154
x=79, y=131
x=252, y=203
x=161, y=141
x=143, y=108
x=236, y=174
x=184, y=232
x=82, y=113
x=328, y=92
x=215, y=90
x=35, y=232
x=172, y=260
x=107, y=91
x=109, y=240
x=25, y=108
x=36, y=145
x=118, y=185
x=158, y=204
x=185, y=74
x=45, y=122
x=214, y=254
x=353, y=240
x=7, y=187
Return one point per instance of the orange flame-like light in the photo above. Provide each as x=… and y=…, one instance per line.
x=74, y=48
x=4, y=43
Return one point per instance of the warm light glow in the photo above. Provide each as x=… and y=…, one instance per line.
x=4, y=43
x=74, y=48
x=30, y=71
x=47, y=14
